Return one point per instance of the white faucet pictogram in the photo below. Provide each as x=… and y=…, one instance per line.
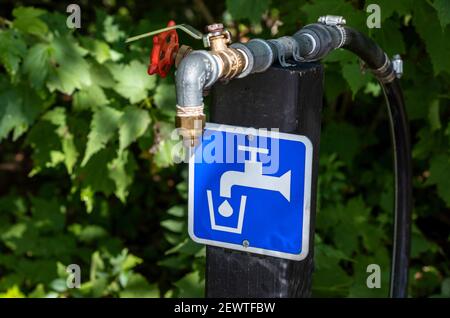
x=251, y=177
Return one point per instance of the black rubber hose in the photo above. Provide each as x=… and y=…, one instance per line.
x=403, y=189
x=375, y=58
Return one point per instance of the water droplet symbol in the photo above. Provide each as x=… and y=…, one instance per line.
x=225, y=209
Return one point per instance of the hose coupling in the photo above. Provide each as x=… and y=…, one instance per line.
x=190, y=122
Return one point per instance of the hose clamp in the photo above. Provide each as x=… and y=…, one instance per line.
x=285, y=47
x=333, y=20
x=385, y=73
x=337, y=22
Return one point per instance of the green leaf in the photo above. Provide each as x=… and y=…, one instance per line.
x=101, y=75
x=138, y=287
x=89, y=98
x=68, y=69
x=443, y=9
x=94, y=175
x=249, y=9
x=388, y=7
x=13, y=292
x=121, y=171
x=433, y=116
x=164, y=153
x=177, y=210
x=47, y=214
x=359, y=287
x=103, y=126
x=57, y=117
x=27, y=20
x=173, y=225
x=100, y=50
x=12, y=50
x=17, y=110
x=133, y=81
x=343, y=139
x=436, y=40
x=329, y=278
x=418, y=101
x=419, y=244
x=355, y=79
x=440, y=176
x=132, y=125
x=389, y=38
x=191, y=285
x=165, y=98
x=36, y=63
x=46, y=146
x=91, y=233
x=187, y=247
x=111, y=32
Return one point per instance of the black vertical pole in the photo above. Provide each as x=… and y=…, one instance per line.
x=289, y=99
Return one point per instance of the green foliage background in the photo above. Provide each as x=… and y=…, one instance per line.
x=85, y=156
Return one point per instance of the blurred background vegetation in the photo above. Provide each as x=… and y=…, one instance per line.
x=85, y=156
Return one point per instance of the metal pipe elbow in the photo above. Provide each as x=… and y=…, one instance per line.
x=197, y=71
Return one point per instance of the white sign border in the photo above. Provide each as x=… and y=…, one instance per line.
x=306, y=199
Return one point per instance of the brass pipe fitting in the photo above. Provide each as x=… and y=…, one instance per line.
x=230, y=62
x=190, y=122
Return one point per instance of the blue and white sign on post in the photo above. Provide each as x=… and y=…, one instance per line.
x=250, y=190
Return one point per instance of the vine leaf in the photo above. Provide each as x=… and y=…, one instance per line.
x=18, y=111
x=12, y=50
x=52, y=142
x=103, y=126
x=355, y=79
x=36, y=64
x=57, y=117
x=121, y=171
x=132, y=125
x=133, y=82
x=27, y=20
x=89, y=98
x=437, y=41
x=59, y=63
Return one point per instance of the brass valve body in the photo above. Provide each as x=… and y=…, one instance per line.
x=232, y=60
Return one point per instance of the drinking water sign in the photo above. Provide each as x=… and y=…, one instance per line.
x=250, y=190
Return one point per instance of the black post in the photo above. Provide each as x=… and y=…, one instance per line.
x=290, y=100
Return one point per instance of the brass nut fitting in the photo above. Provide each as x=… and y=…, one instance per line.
x=190, y=124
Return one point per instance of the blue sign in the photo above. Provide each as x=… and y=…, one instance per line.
x=250, y=190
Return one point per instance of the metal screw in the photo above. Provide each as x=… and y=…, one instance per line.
x=250, y=137
x=245, y=243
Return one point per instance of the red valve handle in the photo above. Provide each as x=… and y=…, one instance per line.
x=165, y=45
